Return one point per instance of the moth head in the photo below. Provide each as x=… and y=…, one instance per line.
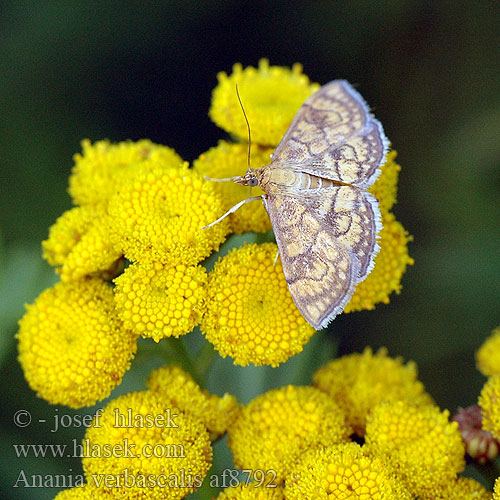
x=249, y=179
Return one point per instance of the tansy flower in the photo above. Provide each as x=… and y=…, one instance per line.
x=72, y=346
x=276, y=428
x=271, y=96
x=229, y=160
x=171, y=450
x=253, y=490
x=424, y=449
x=158, y=301
x=358, y=382
x=159, y=214
x=390, y=265
x=386, y=186
x=79, y=242
x=102, y=165
x=461, y=488
x=488, y=355
x=215, y=412
x=85, y=492
x=490, y=409
x=342, y=472
x=250, y=313
x=496, y=490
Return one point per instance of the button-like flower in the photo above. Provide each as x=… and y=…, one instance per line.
x=488, y=355
x=72, y=346
x=250, y=313
x=157, y=301
x=342, y=472
x=419, y=443
x=159, y=451
x=274, y=429
x=358, y=382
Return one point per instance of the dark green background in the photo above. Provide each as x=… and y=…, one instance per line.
x=120, y=70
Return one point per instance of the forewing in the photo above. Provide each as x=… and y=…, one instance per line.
x=334, y=136
x=352, y=218
x=321, y=272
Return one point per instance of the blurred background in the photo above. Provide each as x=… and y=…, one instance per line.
x=131, y=70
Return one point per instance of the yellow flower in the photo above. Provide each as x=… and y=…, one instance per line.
x=80, y=243
x=358, y=382
x=253, y=491
x=168, y=453
x=215, y=412
x=424, y=449
x=390, y=265
x=385, y=188
x=229, y=160
x=488, y=401
x=276, y=428
x=496, y=490
x=102, y=165
x=159, y=214
x=461, y=488
x=72, y=346
x=342, y=472
x=488, y=355
x=250, y=313
x=85, y=492
x=271, y=96
x=158, y=301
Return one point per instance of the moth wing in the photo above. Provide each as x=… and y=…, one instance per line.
x=334, y=135
x=321, y=272
x=353, y=219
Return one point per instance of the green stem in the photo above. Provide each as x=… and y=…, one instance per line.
x=204, y=361
x=176, y=352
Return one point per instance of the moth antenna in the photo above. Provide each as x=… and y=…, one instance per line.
x=276, y=258
x=248, y=126
x=233, y=209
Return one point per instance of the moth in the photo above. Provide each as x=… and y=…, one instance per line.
x=315, y=192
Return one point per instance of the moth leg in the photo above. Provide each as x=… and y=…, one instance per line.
x=276, y=258
x=233, y=209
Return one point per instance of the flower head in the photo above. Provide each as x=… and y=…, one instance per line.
x=102, y=165
x=72, y=346
x=460, y=488
x=215, y=412
x=252, y=491
x=490, y=409
x=171, y=451
x=159, y=215
x=250, y=313
x=157, y=301
x=271, y=96
x=85, y=492
x=390, y=265
x=423, y=448
x=358, y=382
x=79, y=242
x=488, y=355
x=274, y=429
x=230, y=160
x=386, y=186
x=340, y=472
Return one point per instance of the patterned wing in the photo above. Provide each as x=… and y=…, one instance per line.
x=353, y=219
x=320, y=271
x=334, y=136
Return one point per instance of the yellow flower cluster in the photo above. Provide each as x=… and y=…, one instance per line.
x=250, y=313
x=216, y=413
x=419, y=443
x=488, y=355
x=358, y=382
x=272, y=95
x=280, y=425
x=229, y=160
x=161, y=301
x=70, y=334
x=340, y=472
x=85, y=492
x=168, y=451
x=462, y=488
